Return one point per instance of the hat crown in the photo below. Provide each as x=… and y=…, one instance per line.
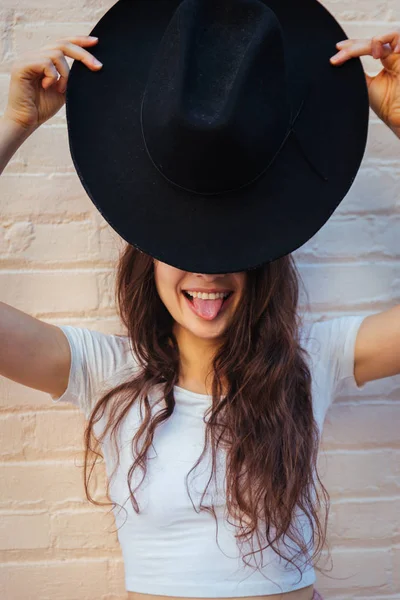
x=215, y=110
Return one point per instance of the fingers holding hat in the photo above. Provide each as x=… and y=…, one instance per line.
x=384, y=88
x=384, y=47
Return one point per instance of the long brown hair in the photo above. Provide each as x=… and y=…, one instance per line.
x=264, y=420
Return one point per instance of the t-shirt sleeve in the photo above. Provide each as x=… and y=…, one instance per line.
x=331, y=347
x=96, y=361
x=337, y=339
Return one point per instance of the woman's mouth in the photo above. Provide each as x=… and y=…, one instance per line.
x=208, y=308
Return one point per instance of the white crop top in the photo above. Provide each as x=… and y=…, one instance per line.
x=169, y=548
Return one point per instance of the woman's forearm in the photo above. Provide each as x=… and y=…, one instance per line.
x=12, y=136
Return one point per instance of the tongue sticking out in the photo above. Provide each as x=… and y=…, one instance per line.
x=207, y=309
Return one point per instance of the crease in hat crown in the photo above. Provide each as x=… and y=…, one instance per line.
x=215, y=110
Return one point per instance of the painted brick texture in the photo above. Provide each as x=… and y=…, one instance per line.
x=57, y=261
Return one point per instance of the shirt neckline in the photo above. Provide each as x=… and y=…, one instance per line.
x=189, y=393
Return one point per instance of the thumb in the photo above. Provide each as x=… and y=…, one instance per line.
x=391, y=62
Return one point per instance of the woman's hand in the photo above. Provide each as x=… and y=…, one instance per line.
x=384, y=88
x=39, y=80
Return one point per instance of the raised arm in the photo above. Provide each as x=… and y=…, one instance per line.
x=32, y=352
x=12, y=136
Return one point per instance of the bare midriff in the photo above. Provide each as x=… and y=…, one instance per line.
x=305, y=593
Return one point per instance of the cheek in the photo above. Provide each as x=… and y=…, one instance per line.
x=169, y=297
x=163, y=283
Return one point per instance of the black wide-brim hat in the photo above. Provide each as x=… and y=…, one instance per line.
x=217, y=136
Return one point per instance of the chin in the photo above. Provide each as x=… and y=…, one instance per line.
x=207, y=330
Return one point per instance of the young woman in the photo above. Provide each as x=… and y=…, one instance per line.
x=216, y=368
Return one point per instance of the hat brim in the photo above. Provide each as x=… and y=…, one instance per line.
x=262, y=222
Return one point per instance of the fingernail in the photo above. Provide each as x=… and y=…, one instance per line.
x=97, y=62
x=92, y=37
x=338, y=56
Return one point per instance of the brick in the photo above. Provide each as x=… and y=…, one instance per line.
x=57, y=196
x=80, y=579
x=360, y=474
x=366, y=237
x=33, y=10
x=351, y=286
x=355, y=426
x=56, y=11
x=77, y=243
x=116, y=574
x=382, y=145
x=6, y=39
x=106, y=283
x=42, y=484
x=24, y=531
x=75, y=530
x=364, y=522
x=367, y=10
x=356, y=572
x=360, y=30
x=14, y=396
x=33, y=232
x=51, y=292
x=111, y=244
x=55, y=243
x=46, y=150
x=376, y=189
x=12, y=428
x=55, y=434
x=396, y=567
x=4, y=89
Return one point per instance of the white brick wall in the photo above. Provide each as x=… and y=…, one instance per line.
x=57, y=259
